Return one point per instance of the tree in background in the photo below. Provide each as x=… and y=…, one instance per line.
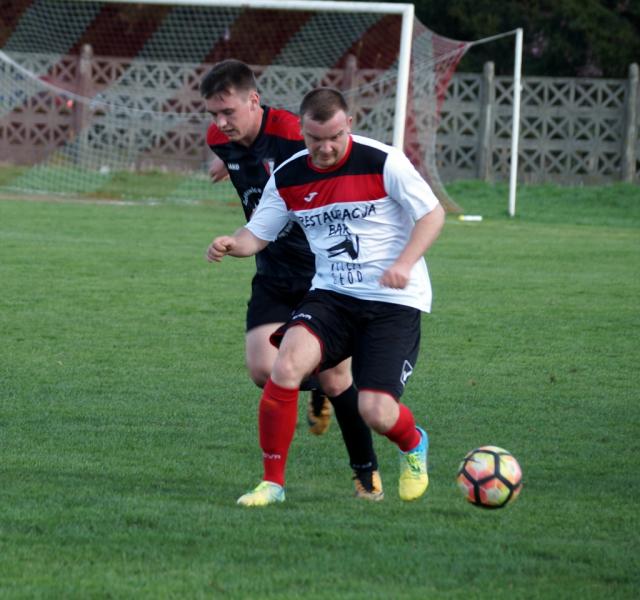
x=573, y=38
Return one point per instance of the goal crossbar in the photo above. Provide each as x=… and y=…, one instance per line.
x=314, y=5
x=406, y=10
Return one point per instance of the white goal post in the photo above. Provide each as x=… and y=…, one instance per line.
x=515, y=124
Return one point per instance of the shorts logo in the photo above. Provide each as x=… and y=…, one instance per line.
x=233, y=166
x=407, y=371
x=302, y=316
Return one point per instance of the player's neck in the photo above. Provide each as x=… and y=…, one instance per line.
x=254, y=131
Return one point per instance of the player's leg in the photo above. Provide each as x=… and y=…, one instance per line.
x=265, y=313
x=268, y=309
x=318, y=410
x=386, y=351
x=395, y=421
x=319, y=405
x=260, y=354
x=271, y=304
x=315, y=338
x=299, y=354
x=338, y=384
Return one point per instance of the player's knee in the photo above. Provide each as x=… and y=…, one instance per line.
x=374, y=414
x=259, y=374
x=287, y=373
x=334, y=385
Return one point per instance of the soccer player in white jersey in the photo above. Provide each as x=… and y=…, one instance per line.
x=250, y=139
x=369, y=218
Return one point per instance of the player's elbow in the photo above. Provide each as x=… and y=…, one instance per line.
x=261, y=244
x=246, y=243
x=254, y=243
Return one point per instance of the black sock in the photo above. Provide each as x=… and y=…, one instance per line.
x=355, y=432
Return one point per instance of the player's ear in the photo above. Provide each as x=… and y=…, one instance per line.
x=254, y=99
x=349, y=123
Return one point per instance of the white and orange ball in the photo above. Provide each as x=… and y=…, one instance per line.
x=490, y=477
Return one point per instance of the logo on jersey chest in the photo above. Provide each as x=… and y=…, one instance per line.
x=310, y=197
x=251, y=197
x=269, y=164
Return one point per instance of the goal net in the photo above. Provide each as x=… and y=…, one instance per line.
x=93, y=93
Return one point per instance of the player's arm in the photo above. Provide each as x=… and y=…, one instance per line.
x=241, y=244
x=217, y=170
x=407, y=187
x=267, y=221
x=424, y=234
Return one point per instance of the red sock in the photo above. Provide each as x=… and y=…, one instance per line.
x=277, y=416
x=404, y=433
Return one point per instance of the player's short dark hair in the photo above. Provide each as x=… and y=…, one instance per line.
x=226, y=75
x=322, y=103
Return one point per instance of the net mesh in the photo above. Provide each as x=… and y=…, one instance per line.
x=91, y=90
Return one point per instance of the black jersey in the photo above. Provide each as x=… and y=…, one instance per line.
x=249, y=170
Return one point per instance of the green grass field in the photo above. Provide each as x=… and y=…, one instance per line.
x=128, y=424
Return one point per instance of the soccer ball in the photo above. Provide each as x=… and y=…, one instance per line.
x=490, y=477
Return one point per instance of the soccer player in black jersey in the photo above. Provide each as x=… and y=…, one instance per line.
x=249, y=141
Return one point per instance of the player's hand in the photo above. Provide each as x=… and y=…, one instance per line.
x=218, y=170
x=396, y=276
x=219, y=248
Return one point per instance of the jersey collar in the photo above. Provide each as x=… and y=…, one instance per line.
x=263, y=124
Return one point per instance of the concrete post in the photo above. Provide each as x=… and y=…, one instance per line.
x=81, y=114
x=487, y=116
x=630, y=133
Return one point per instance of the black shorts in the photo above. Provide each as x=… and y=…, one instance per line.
x=382, y=338
x=273, y=299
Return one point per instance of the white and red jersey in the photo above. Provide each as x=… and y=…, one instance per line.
x=357, y=215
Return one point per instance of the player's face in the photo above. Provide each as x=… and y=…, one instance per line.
x=327, y=142
x=237, y=114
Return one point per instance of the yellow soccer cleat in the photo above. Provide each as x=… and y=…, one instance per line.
x=414, y=479
x=318, y=412
x=368, y=485
x=264, y=494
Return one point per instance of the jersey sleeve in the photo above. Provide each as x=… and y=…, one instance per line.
x=407, y=187
x=283, y=124
x=270, y=216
